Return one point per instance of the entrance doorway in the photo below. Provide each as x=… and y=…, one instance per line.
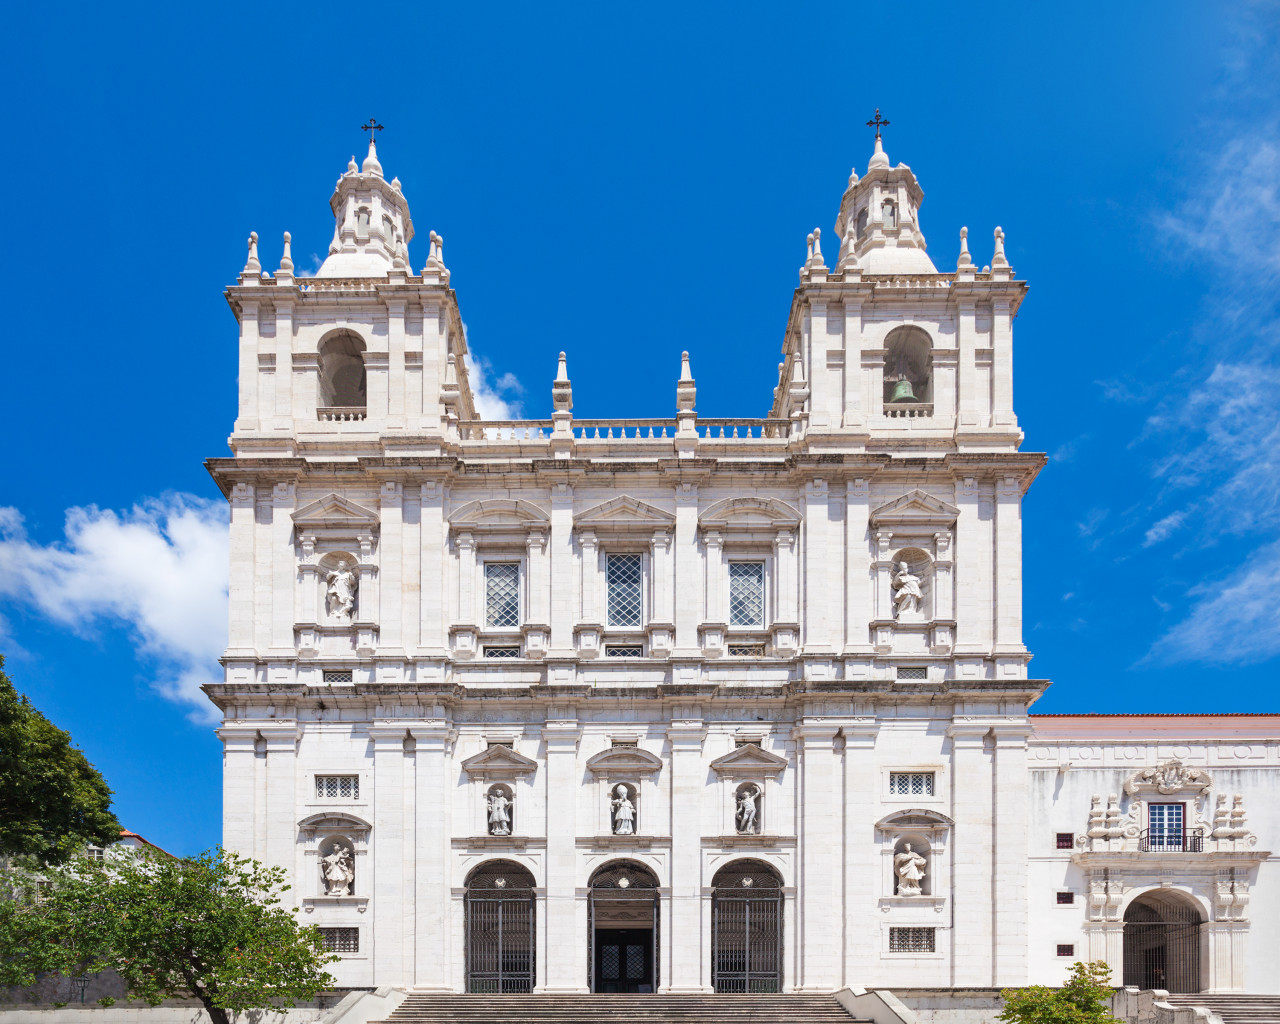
x=623, y=929
x=1162, y=943
x=746, y=928
x=500, y=918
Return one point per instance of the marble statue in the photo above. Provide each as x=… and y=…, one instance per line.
x=909, y=867
x=337, y=871
x=624, y=812
x=342, y=590
x=749, y=810
x=907, y=596
x=499, y=813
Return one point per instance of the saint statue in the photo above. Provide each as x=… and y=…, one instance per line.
x=749, y=810
x=624, y=812
x=499, y=813
x=907, y=595
x=342, y=590
x=337, y=871
x=909, y=867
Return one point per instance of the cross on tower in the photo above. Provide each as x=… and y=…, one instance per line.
x=373, y=126
x=877, y=123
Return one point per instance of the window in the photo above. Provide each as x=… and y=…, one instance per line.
x=342, y=372
x=911, y=783
x=1165, y=822
x=1066, y=841
x=623, y=651
x=338, y=787
x=746, y=650
x=502, y=652
x=625, y=577
x=911, y=940
x=912, y=672
x=362, y=217
x=890, y=212
x=94, y=853
x=342, y=675
x=341, y=940
x=1066, y=899
x=502, y=594
x=746, y=593
x=1066, y=949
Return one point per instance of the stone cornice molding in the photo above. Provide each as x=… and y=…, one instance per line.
x=499, y=762
x=748, y=513
x=915, y=819
x=748, y=761
x=624, y=762
x=335, y=820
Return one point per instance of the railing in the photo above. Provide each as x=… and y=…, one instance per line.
x=624, y=430
x=504, y=430
x=756, y=428
x=908, y=410
x=1153, y=841
x=341, y=413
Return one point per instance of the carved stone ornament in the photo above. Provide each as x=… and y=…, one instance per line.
x=1169, y=778
x=499, y=762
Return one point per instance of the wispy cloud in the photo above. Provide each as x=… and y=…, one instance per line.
x=495, y=398
x=160, y=569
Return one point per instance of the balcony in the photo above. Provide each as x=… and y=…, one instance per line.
x=341, y=413
x=908, y=410
x=1159, y=841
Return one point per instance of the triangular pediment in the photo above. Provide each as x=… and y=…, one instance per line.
x=498, y=513
x=624, y=511
x=499, y=762
x=623, y=761
x=334, y=511
x=751, y=512
x=748, y=761
x=915, y=507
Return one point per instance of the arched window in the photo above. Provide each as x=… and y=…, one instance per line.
x=889, y=213
x=1162, y=942
x=746, y=932
x=862, y=224
x=342, y=376
x=908, y=366
x=500, y=920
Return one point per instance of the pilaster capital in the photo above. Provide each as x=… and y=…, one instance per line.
x=390, y=494
x=282, y=494
x=388, y=736
x=857, y=489
x=968, y=732
x=433, y=735
x=815, y=735
x=687, y=736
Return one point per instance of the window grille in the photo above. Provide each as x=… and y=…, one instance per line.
x=502, y=594
x=1066, y=841
x=1066, y=949
x=1066, y=898
x=338, y=787
x=341, y=940
x=911, y=783
x=746, y=650
x=911, y=940
x=746, y=593
x=341, y=675
x=912, y=672
x=623, y=651
x=502, y=652
x=625, y=577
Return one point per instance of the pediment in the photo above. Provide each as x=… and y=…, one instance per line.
x=499, y=762
x=336, y=821
x=915, y=508
x=748, y=513
x=333, y=511
x=622, y=761
x=498, y=514
x=624, y=512
x=914, y=818
x=748, y=760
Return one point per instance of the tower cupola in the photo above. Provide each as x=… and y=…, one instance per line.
x=878, y=225
x=372, y=228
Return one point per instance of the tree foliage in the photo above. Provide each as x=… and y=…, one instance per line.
x=53, y=802
x=1084, y=999
x=211, y=926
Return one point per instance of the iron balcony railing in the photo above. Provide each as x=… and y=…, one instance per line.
x=1158, y=841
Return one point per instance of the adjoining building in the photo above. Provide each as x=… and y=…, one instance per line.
x=687, y=704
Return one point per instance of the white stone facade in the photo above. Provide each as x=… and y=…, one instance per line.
x=791, y=643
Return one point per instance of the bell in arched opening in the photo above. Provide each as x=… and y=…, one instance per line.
x=903, y=392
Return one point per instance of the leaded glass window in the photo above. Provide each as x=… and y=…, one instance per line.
x=911, y=783
x=746, y=593
x=625, y=577
x=502, y=594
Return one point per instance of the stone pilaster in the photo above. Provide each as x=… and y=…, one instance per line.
x=562, y=971
x=688, y=783
x=821, y=824
x=427, y=849
x=387, y=903
x=971, y=855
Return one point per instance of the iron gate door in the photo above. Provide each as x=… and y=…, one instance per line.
x=500, y=922
x=1162, y=954
x=746, y=940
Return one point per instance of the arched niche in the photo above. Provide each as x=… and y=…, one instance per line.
x=912, y=865
x=624, y=808
x=500, y=809
x=337, y=856
x=335, y=845
x=748, y=808
x=342, y=371
x=339, y=582
x=913, y=585
x=908, y=366
x=911, y=873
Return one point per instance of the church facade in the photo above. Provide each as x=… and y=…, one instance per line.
x=690, y=704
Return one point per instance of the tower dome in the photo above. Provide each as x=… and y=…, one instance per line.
x=372, y=222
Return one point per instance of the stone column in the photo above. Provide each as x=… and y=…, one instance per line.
x=429, y=849
x=971, y=857
x=1002, y=364
x=855, y=414
x=591, y=612
x=387, y=901
x=860, y=606
x=280, y=739
x=822, y=827
x=566, y=969
x=284, y=364
x=687, y=578
x=664, y=597
x=539, y=578
x=1009, y=845
x=240, y=640
x=688, y=945
x=860, y=853
x=972, y=578
x=788, y=587
x=973, y=406
x=284, y=571
x=466, y=544
x=717, y=578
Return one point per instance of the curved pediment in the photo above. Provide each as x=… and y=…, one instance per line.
x=622, y=761
x=498, y=514
x=748, y=761
x=914, y=818
x=500, y=762
x=334, y=512
x=335, y=821
x=915, y=508
x=624, y=512
x=748, y=513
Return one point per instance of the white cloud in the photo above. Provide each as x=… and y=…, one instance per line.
x=1165, y=528
x=160, y=569
x=496, y=400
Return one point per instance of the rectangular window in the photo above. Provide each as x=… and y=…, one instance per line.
x=624, y=575
x=502, y=652
x=1164, y=824
x=1066, y=840
x=912, y=672
x=1066, y=949
x=911, y=940
x=1066, y=898
x=341, y=940
x=911, y=783
x=342, y=675
x=623, y=651
x=338, y=787
x=502, y=594
x=746, y=650
x=746, y=593
x=94, y=853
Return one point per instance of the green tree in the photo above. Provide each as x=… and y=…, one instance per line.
x=211, y=926
x=53, y=802
x=1084, y=999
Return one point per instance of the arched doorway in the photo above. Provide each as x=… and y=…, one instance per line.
x=500, y=911
x=746, y=928
x=622, y=928
x=1162, y=942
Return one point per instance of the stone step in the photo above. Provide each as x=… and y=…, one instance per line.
x=620, y=1009
x=1235, y=1008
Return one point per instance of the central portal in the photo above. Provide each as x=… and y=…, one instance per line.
x=623, y=933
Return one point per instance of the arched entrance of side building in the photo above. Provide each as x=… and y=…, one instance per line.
x=1163, y=932
x=746, y=928
x=500, y=922
x=622, y=928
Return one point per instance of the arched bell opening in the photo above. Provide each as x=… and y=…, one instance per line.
x=342, y=372
x=908, y=366
x=501, y=916
x=1163, y=935
x=622, y=928
x=746, y=928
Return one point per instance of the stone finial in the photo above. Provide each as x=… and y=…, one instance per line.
x=351, y=165
x=451, y=373
x=400, y=257
x=879, y=159
x=252, y=265
x=998, y=260
x=440, y=249
x=561, y=388
x=286, y=258
x=817, y=247
x=371, y=165
x=808, y=256
x=965, y=259
x=395, y=184
x=686, y=391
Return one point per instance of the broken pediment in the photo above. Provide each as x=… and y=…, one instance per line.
x=915, y=508
x=498, y=514
x=624, y=512
x=617, y=762
x=748, y=513
x=748, y=761
x=499, y=762
x=334, y=512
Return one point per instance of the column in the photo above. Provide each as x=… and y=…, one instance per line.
x=466, y=544
x=688, y=944
x=972, y=404
x=826, y=387
x=238, y=740
x=539, y=578
x=1008, y=567
x=590, y=578
x=821, y=831
x=281, y=741
x=788, y=599
x=428, y=848
x=411, y=569
x=434, y=539
x=390, y=570
x=971, y=859
x=972, y=579
x=247, y=420
x=564, y=969
x=561, y=553
x=860, y=853
x=859, y=599
x=716, y=579
x=388, y=853
x=688, y=598
x=1009, y=845
x=664, y=596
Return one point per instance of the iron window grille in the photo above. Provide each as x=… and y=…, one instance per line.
x=623, y=650
x=338, y=787
x=746, y=650
x=1066, y=899
x=624, y=575
x=911, y=783
x=341, y=940
x=340, y=675
x=911, y=940
x=1066, y=949
x=502, y=652
x=502, y=594
x=1065, y=840
x=912, y=672
x=746, y=593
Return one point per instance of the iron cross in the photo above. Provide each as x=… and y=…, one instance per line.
x=373, y=126
x=877, y=124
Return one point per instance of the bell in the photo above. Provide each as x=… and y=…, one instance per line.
x=902, y=392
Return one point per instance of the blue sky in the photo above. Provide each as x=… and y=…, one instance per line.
x=625, y=184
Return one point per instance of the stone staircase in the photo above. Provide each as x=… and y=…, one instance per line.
x=620, y=1009
x=1235, y=1009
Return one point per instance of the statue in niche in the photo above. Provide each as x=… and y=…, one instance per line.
x=337, y=871
x=907, y=596
x=341, y=593
x=624, y=812
x=749, y=810
x=499, y=813
x=909, y=867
